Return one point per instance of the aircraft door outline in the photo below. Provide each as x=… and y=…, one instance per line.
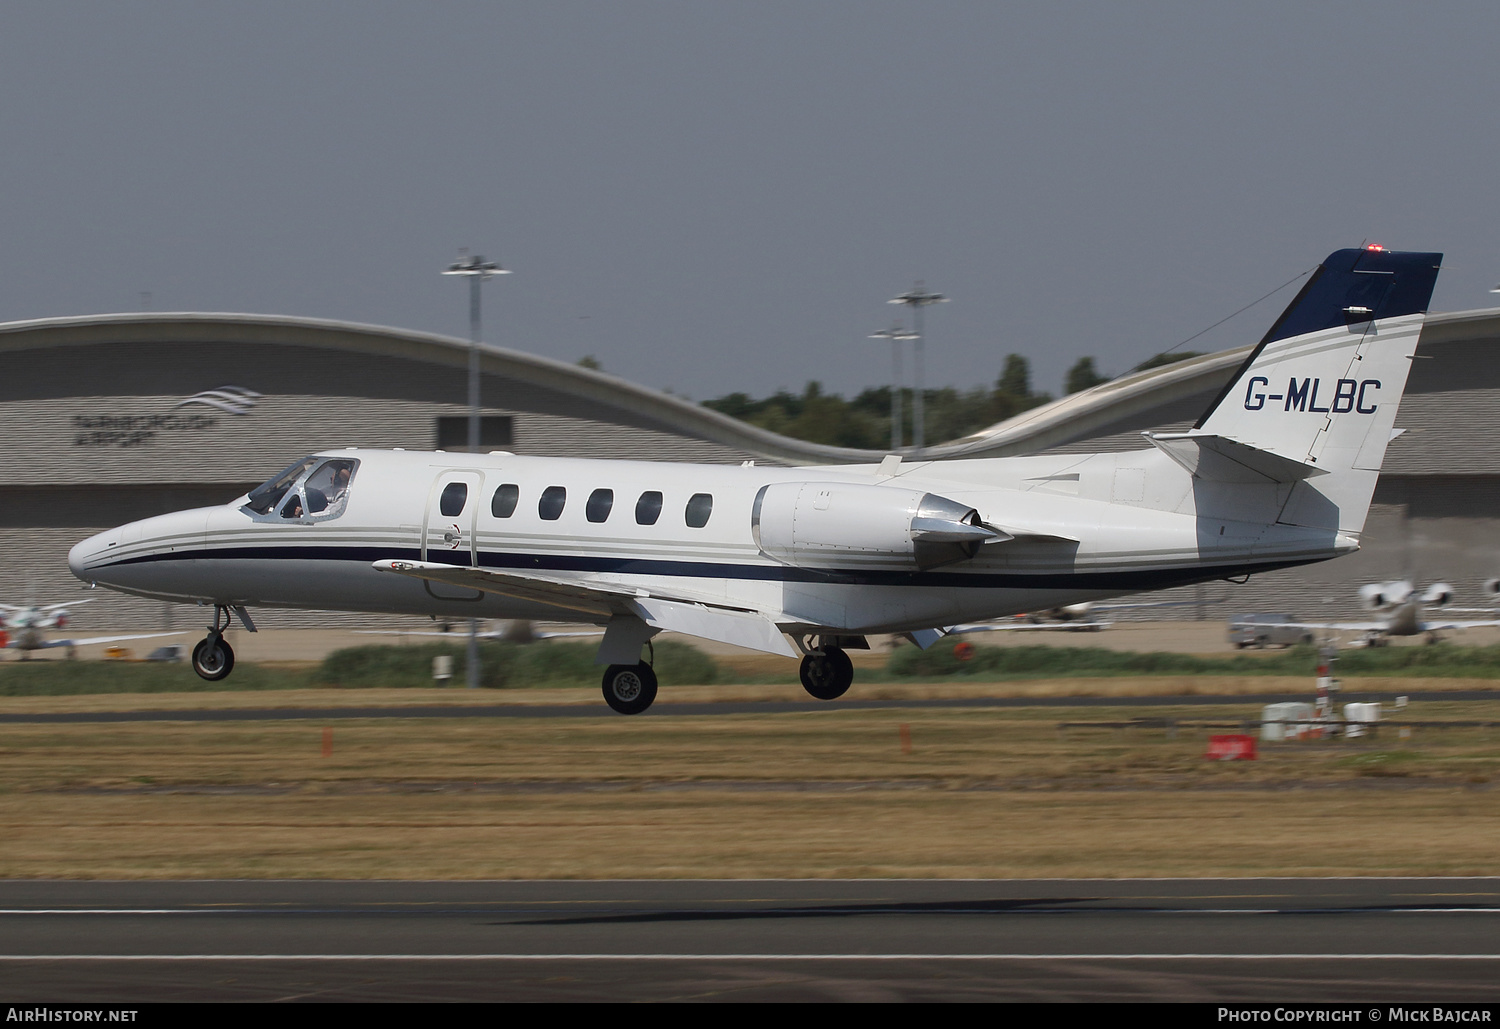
x=448, y=528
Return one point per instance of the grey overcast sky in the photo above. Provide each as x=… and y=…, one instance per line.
x=720, y=196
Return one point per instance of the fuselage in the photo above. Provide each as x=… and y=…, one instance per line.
x=1063, y=530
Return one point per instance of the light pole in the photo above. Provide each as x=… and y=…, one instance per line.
x=478, y=270
x=918, y=299
x=895, y=334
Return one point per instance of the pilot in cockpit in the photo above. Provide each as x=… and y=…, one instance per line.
x=320, y=495
x=340, y=482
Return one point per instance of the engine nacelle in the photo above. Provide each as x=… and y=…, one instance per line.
x=853, y=525
x=1377, y=595
x=1438, y=594
x=1491, y=587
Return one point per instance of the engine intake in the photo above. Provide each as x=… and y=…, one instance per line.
x=853, y=525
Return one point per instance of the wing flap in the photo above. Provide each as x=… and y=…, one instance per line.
x=740, y=628
x=604, y=600
x=544, y=589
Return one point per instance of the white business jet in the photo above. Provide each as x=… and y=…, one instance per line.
x=1278, y=472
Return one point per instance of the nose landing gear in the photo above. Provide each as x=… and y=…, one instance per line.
x=213, y=659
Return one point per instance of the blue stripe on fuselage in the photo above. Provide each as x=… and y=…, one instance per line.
x=1127, y=581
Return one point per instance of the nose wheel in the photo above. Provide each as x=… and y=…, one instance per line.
x=829, y=675
x=629, y=689
x=213, y=659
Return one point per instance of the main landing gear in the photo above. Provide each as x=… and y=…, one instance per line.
x=212, y=657
x=828, y=675
x=629, y=689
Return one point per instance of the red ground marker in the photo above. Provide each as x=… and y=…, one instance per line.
x=327, y=742
x=1231, y=748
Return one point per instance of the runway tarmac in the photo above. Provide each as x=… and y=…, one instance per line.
x=1208, y=940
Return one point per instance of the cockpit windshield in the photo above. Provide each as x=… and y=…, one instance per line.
x=314, y=488
x=264, y=496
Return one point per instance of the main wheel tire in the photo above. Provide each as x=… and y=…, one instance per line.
x=213, y=658
x=828, y=677
x=629, y=689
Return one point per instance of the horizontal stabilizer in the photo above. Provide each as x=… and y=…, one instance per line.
x=1221, y=459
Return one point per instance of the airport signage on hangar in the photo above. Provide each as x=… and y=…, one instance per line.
x=137, y=430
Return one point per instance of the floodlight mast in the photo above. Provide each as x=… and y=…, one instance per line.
x=918, y=299
x=478, y=271
x=896, y=333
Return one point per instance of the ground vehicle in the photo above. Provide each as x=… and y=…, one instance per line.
x=1267, y=630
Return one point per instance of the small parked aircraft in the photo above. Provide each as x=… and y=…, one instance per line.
x=810, y=561
x=22, y=628
x=1400, y=611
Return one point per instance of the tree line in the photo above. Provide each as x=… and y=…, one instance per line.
x=865, y=421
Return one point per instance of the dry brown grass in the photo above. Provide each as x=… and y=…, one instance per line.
x=734, y=835
x=828, y=793
x=1121, y=686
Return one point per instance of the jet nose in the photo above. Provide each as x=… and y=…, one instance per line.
x=86, y=555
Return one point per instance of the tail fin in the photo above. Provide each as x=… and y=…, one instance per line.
x=1323, y=386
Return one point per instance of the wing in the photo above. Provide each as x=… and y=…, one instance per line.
x=1345, y=626
x=1430, y=626
x=1019, y=626
x=1154, y=603
x=493, y=634
x=49, y=644
x=695, y=616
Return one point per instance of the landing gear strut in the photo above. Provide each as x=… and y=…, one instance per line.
x=212, y=657
x=829, y=675
x=629, y=689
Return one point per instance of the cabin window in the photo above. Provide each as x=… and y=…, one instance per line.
x=550, y=507
x=455, y=495
x=503, y=503
x=600, y=502
x=648, y=508
x=699, y=507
